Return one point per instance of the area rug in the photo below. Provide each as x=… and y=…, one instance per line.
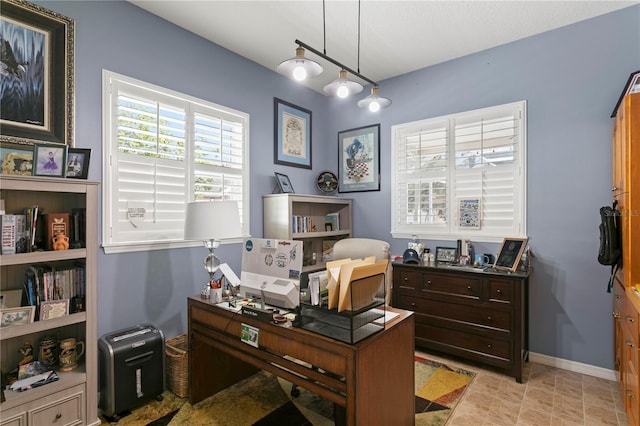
x=264, y=400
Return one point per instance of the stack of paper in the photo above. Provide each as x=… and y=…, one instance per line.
x=353, y=284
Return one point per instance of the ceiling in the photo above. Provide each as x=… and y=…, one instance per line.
x=396, y=36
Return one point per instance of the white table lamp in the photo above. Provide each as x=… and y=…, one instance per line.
x=210, y=222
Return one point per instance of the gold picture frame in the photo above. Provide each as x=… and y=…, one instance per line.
x=17, y=316
x=40, y=44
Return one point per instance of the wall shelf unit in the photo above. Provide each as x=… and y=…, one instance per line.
x=72, y=400
x=303, y=217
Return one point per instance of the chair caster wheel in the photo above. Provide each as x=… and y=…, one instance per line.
x=295, y=392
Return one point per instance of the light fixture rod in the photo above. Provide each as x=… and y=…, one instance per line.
x=333, y=61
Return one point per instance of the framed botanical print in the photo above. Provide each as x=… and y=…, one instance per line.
x=292, y=135
x=36, y=89
x=359, y=159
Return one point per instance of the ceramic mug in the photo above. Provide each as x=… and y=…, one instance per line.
x=49, y=350
x=478, y=260
x=69, y=354
x=489, y=259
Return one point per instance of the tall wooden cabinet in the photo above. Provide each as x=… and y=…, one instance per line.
x=72, y=400
x=626, y=191
x=303, y=217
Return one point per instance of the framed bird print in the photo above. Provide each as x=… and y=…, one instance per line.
x=36, y=89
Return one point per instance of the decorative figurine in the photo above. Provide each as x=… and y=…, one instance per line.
x=27, y=353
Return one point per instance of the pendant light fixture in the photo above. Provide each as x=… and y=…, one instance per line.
x=299, y=68
x=342, y=87
x=374, y=102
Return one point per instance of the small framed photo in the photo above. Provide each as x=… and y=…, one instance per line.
x=632, y=86
x=445, y=254
x=49, y=159
x=54, y=309
x=78, y=163
x=510, y=253
x=17, y=316
x=16, y=159
x=284, y=184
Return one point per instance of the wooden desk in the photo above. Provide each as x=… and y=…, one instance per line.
x=377, y=372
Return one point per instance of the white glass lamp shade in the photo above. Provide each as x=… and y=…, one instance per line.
x=299, y=67
x=212, y=220
x=374, y=102
x=342, y=86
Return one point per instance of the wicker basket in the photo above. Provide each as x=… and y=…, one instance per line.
x=177, y=351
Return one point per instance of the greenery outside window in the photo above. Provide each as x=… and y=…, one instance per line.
x=163, y=149
x=440, y=162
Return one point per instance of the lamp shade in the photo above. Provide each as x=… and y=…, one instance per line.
x=299, y=67
x=342, y=86
x=212, y=220
x=374, y=102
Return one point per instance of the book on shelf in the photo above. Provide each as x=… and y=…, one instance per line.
x=56, y=223
x=44, y=283
x=8, y=226
x=21, y=233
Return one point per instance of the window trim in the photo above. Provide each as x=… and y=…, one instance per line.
x=107, y=148
x=451, y=232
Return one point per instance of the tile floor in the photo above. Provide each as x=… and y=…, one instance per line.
x=547, y=396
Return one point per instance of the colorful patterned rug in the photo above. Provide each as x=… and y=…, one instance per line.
x=263, y=400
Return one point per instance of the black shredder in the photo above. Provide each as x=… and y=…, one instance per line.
x=131, y=368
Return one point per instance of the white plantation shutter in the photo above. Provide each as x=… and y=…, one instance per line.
x=474, y=155
x=162, y=151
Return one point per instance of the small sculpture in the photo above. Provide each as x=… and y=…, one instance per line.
x=27, y=353
x=60, y=242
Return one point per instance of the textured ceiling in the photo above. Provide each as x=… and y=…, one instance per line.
x=396, y=36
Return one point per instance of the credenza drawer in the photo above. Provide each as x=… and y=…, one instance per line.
x=500, y=290
x=464, y=315
x=467, y=342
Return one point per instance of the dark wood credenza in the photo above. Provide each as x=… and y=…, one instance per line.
x=372, y=379
x=470, y=313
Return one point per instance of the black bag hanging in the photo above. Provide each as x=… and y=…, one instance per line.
x=610, y=251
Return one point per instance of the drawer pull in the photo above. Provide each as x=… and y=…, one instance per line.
x=489, y=318
x=630, y=394
x=629, y=343
x=413, y=304
x=406, y=279
x=469, y=287
x=428, y=282
x=617, y=315
x=499, y=291
x=489, y=346
x=630, y=319
x=58, y=416
x=617, y=296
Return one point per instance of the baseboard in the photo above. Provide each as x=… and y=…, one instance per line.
x=576, y=367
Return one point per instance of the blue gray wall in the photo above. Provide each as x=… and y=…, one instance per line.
x=570, y=77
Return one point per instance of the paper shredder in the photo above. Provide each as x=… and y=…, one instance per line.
x=131, y=368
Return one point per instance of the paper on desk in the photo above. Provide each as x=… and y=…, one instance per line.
x=333, y=271
x=361, y=293
x=388, y=316
x=229, y=275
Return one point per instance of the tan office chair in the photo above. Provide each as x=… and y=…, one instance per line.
x=359, y=248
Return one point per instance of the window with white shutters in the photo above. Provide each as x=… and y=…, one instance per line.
x=477, y=156
x=162, y=150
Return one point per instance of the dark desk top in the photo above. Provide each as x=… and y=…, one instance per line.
x=486, y=270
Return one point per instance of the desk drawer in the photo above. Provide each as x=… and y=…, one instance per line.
x=67, y=410
x=447, y=339
x=467, y=287
x=500, y=290
x=631, y=319
x=456, y=314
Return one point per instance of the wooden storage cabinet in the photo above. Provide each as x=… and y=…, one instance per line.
x=72, y=400
x=626, y=302
x=279, y=210
x=480, y=316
